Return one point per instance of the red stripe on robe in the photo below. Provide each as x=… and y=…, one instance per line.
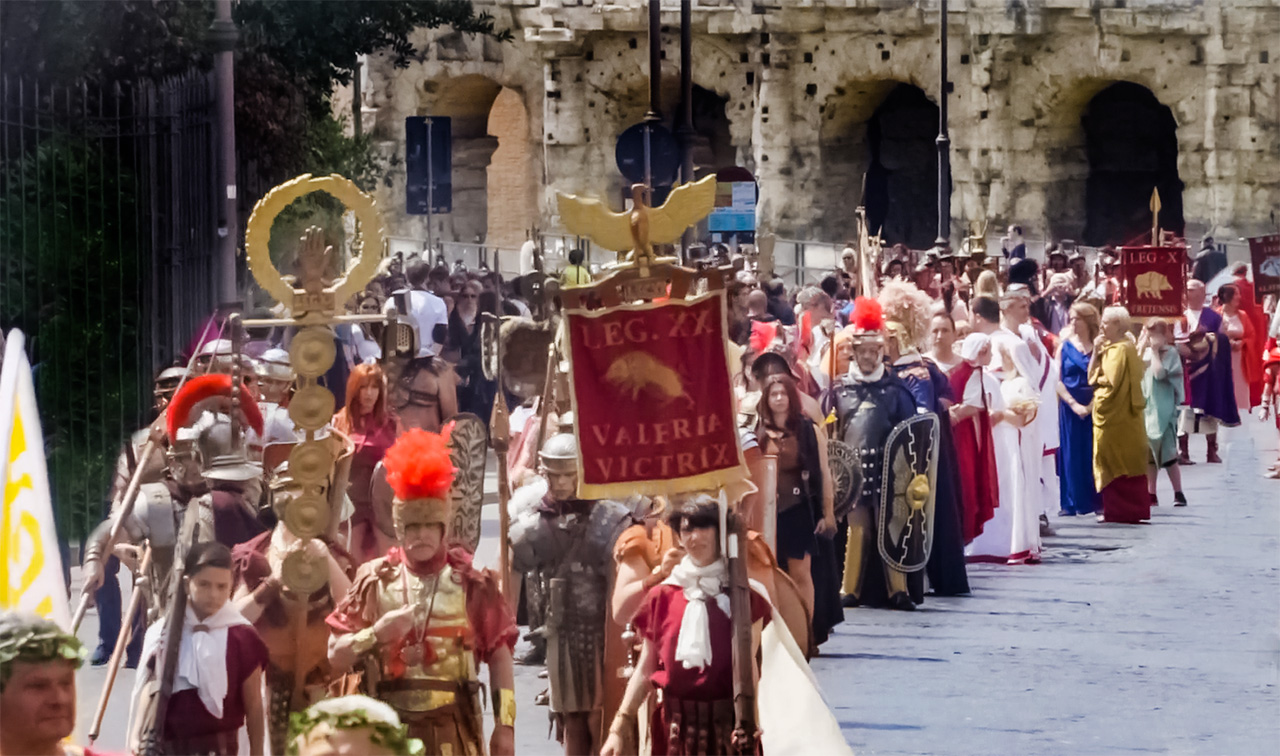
x=975, y=460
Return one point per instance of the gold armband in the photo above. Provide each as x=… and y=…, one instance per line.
x=364, y=641
x=504, y=707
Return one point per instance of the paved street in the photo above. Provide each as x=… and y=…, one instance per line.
x=1159, y=638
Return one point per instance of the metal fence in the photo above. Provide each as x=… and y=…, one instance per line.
x=107, y=226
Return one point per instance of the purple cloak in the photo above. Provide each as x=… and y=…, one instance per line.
x=1213, y=391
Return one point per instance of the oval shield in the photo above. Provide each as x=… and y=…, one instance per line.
x=904, y=528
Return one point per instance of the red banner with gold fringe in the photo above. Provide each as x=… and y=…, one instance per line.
x=652, y=398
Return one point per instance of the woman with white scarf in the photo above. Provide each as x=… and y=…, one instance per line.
x=688, y=654
x=217, y=686
x=687, y=634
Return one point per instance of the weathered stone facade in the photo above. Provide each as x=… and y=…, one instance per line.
x=808, y=95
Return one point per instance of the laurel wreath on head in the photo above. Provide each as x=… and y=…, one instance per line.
x=35, y=643
x=381, y=733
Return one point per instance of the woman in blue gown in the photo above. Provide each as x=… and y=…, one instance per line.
x=1075, y=423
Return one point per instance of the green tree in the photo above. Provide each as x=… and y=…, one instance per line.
x=290, y=56
x=62, y=252
x=67, y=255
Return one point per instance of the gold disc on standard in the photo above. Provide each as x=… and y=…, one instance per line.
x=312, y=352
x=311, y=408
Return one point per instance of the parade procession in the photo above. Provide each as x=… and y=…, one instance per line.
x=409, y=377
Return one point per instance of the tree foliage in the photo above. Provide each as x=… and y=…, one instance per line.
x=63, y=274
x=68, y=254
x=289, y=57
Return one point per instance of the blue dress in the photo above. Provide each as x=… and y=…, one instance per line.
x=1075, y=450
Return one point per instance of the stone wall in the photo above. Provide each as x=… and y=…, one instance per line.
x=802, y=82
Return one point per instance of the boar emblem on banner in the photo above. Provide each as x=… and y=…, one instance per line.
x=1152, y=285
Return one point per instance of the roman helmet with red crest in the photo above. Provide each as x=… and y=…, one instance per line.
x=197, y=424
x=420, y=474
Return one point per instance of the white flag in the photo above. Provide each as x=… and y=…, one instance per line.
x=30, y=562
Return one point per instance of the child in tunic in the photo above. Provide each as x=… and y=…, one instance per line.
x=217, y=688
x=1164, y=390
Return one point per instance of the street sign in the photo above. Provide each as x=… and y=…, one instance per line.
x=735, y=209
x=664, y=154
x=428, y=163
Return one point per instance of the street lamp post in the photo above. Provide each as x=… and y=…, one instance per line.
x=654, y=116
x=685, y=132
x=943, y=141
x=223, y=35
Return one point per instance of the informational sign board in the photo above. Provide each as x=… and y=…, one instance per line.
x=653, y=398
x=1265, y=251
x=735, y=207
x=428, y=163
x=1154, y=280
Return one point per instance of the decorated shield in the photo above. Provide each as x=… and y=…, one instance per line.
x=904, y=530
x=846, y=475
x=468, y=446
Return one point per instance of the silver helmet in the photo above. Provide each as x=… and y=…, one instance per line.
x=223, y=457
x=560, y=454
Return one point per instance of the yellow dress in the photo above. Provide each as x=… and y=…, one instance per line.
x=1119, y=428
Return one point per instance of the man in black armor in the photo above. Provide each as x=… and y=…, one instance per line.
x=569, y=543
x=870, y=402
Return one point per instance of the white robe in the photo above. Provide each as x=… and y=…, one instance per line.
x=1046, y=423
x=1014, y=532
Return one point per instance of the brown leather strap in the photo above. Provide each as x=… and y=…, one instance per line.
x=403, y=684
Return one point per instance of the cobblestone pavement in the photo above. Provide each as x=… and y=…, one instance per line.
x=1157, y=638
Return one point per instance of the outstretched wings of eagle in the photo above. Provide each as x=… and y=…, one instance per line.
x=644, y=226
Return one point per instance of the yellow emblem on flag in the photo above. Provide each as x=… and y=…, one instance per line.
x=30, y=562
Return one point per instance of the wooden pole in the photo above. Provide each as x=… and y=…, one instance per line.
x=548, y=397
x=130, y=493
x=744, y=681
x=122, y=640
x=500, y=434
x=152, y=740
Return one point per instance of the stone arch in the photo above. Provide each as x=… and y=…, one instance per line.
x=876, y=139
x=511, y=184
x=1132, y=146
x=465, y=77
x=618, y=97
x=1106, y=142
x=467, y=100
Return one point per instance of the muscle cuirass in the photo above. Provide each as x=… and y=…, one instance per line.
x=439, y=648
x=867, y=421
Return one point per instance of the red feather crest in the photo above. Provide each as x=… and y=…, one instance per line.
x=418, y=465
x=762, y=336
x=197, y=390
x=867, y=314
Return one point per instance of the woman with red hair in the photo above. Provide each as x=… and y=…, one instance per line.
x=372, y=430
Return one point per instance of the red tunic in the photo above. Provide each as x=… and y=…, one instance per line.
x=187, y=717
x=975, y=460
x=658, y=621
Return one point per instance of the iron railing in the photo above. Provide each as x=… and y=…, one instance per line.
x=107, y=227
